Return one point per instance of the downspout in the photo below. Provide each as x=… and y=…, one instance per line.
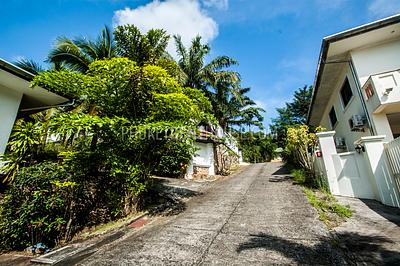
x=363, y=104
x=359, y=92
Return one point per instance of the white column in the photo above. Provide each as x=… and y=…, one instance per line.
x=381, y=179
x=328, y=149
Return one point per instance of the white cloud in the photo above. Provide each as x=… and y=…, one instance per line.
x=182, y=17
x=220, y=4
x=384, y=8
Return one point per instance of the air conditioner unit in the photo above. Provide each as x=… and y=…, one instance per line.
x=357, y=123
x=340, y=143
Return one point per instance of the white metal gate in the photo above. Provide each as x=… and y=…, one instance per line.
x=392, y=150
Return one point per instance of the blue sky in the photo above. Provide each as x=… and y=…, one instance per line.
x=277, y=42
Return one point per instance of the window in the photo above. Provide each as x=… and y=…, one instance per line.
x=332, y=117
x=346, y=93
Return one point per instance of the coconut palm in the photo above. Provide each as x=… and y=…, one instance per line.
x=198, y=74
x=34, y=67
x=231, y=105
x=29, y=65
x=234, y=109
x=77, y=54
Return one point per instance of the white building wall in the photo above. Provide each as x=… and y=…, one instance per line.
x=376, y=59
x=343, y=114
x=373, y=60
x=203, y=157
x=9, y=104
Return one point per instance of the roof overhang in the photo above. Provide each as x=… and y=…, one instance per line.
x=17, y=79
x=335, y=52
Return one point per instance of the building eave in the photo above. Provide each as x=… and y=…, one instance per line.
x=17, y=71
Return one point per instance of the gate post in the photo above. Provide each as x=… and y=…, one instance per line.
x=328, y=148
x=382, y=181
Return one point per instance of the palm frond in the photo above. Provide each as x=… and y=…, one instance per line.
x=29, y=65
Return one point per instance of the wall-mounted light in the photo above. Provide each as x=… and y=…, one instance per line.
x=359, y=148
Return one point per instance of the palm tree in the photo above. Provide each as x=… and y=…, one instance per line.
x=34, y=67
x=198, y=74
x=234, y=109
x=231, y=105
x=77, y=54
x=29, y=65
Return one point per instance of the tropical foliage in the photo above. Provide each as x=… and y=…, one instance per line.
x=256, y=147
x=77, y=54
x=135, y=113
x=293, y=113
x=95, y=162
x=231, y=106
x=301, y=144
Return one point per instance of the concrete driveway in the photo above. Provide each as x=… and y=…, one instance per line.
x=257, y=217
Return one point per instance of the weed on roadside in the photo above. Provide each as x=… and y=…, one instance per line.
x=330, y=211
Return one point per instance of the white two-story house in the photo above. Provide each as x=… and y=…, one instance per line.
x=357, y=99
x=357, y=87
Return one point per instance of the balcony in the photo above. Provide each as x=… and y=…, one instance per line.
x=382, y=92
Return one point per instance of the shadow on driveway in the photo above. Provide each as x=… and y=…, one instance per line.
x=390, y=213
x=321, y=252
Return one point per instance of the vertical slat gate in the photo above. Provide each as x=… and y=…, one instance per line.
x=392, y=150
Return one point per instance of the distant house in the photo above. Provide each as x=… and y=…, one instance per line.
x=357, y=97
x=18, y=99
x=217, y=151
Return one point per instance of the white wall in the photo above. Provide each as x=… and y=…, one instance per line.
x=376, y=59
x=343, y=114
x=382, y=126
x=204, y=156
x=371, y=61
x=9, y=104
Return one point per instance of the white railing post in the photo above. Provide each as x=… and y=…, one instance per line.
x=328, y=149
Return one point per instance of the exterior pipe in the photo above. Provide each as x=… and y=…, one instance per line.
x=359, y=92
x=363, y=104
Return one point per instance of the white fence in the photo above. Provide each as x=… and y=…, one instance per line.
x=392, y=150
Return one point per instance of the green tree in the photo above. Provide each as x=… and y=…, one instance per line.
x=256, y=147
x=231, y=105
x=234, y=109
x=29, y=65
x=34, y=67
x=77, y=54
x=293, y=113
x=198, y=74
x=141, y=48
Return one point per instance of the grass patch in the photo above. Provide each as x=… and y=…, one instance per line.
x=330, y=211
x=299, y=176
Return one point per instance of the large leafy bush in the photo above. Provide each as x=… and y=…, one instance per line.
x=128, y=121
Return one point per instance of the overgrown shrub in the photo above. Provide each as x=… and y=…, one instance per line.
x=128, y=121
x=174, y=158
x=34, y=208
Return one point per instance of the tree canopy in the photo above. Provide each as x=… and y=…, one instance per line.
x=293, y=113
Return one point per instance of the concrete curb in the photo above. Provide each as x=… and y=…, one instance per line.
x=76, y=250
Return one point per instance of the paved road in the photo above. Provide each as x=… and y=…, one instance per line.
x=257, y=217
